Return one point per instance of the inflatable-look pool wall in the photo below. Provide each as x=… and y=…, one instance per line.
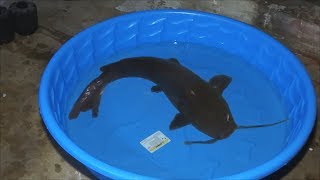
x=102, y=40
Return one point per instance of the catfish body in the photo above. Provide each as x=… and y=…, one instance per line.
x=199, y=103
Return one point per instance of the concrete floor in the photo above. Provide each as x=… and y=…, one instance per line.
x=27, y=152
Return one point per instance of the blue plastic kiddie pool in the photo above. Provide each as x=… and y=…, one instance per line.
x=268, y=84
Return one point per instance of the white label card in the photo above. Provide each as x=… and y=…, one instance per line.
x=155, y=141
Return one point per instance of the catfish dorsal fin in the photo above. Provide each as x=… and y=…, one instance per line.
x=220, y=82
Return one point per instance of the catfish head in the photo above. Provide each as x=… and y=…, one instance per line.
x=212, y=114
x=209, y=112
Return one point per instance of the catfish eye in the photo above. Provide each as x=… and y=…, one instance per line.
x=228, y=117
x=192, y=92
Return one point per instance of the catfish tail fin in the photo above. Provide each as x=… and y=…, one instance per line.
x=89, y=99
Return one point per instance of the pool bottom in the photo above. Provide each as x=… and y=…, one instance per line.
x=130, y=112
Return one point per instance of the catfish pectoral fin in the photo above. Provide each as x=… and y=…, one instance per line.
x=211, y=141
x=156, y=89
x=179, y=121
x=220, y=82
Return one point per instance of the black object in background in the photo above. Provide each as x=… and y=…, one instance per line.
x=6, y=26
x=25, y=17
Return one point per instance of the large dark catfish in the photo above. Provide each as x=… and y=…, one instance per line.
x=199, y=103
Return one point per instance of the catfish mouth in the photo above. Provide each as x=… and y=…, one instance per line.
x=222, y=133
x=227, y=131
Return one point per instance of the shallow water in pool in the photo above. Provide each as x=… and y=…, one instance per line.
x=130, y=112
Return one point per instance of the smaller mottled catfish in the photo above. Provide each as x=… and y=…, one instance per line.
x=199, y=103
